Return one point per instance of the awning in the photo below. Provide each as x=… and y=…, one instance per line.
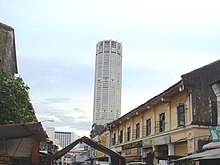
x=208, y=154
x=211, y=145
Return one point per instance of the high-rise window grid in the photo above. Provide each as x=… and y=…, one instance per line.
x=107, y=93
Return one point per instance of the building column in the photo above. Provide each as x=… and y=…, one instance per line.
x=155, y=151
x=170, y=149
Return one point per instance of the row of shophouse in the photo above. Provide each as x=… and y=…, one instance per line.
x=170, y=125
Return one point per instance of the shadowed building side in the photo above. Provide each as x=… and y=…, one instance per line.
x=8, y=61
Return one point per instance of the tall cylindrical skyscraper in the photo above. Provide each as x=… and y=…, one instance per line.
x=108, y=82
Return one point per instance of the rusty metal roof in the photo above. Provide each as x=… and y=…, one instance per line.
x=12, y=131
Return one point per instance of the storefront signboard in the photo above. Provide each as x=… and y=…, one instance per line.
x=161, y=140
x=147, y=143
x=132, y=145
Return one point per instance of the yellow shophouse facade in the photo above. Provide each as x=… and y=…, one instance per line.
x=171, y=124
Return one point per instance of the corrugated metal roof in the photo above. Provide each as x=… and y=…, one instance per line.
x=12, y=131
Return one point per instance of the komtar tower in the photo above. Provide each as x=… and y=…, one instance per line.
x=108, y=82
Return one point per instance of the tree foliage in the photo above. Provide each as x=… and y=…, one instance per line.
x=15, y=106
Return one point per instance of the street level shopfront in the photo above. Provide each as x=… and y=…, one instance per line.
x=155, y=149
x=132, y=152
x=147, y=151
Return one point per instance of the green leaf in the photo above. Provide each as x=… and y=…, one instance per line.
x=14, y=100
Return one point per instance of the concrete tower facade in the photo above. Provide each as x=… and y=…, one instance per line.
x=65, y=138
x=108, y=82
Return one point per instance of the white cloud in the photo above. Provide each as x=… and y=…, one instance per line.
x=47, y=118
x=66, y=112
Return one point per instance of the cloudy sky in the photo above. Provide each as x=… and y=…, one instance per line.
x=56, y=40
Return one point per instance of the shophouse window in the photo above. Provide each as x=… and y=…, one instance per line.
x=121, y=136
x=181, y=114
x=214, y=110
x=148, y=127
x=137, y=130
x=162, y=122
x=128, y=133
x=113, y=139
